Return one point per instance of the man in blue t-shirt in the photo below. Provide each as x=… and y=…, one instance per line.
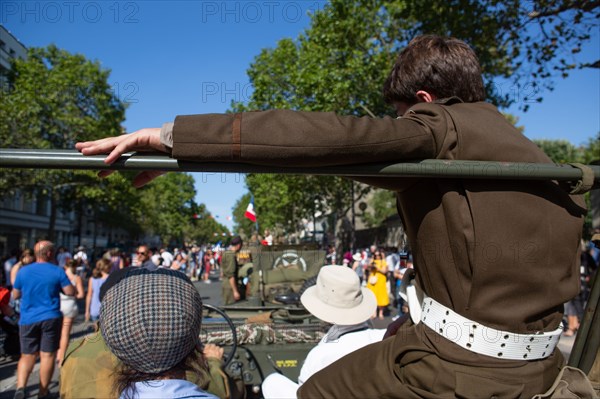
x=39, y=285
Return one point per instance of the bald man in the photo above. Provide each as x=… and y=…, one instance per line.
x=39, y=285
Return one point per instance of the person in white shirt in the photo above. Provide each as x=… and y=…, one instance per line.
x=336, y=298
x=167, y=257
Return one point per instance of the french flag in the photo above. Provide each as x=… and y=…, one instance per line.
x=250, y=214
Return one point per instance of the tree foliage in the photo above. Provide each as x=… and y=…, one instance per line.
x=204, y=227
x=53, y=99
x=562, y=151
x=341, y=60
x=381, y=205
x=168, y=209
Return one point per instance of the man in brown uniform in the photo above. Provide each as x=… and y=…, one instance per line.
x=496, y=259
x=232, y=290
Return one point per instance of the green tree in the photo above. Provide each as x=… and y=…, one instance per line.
x=591, y=150
x=167, y=206
x=381, y=205
x=53, y=99
x=341, y=61
x=204, y=228
x=114, y=200
x=560, y=151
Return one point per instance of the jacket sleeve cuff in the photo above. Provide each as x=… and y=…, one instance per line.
x=166, y=135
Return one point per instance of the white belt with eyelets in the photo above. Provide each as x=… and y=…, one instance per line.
x=484, y=340
x=474, y=336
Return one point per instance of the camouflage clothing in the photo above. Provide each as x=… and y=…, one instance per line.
x=259, y=333
x=88, y=367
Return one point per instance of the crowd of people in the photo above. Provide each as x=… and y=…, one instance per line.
x=43, y=290
x=381, y=270
x=376, y=269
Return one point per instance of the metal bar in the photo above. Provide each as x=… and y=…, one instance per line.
x=587, y=341
x=72, y=159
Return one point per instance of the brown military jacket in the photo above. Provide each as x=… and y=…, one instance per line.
x=500, y=252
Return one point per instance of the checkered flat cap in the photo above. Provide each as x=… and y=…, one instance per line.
x=151, y=320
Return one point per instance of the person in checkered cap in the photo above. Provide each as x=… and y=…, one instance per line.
x=151, y=321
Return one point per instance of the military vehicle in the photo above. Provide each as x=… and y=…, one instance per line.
x=276, y=276
x=271, y=332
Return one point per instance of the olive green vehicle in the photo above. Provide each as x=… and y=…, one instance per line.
x=270, y=331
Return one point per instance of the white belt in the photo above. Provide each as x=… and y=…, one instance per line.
x=474, y=336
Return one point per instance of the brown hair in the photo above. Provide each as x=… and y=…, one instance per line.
x=442, y=66
x=126, y=377
x=72, y=265
x=103, y=265
x=26, y=252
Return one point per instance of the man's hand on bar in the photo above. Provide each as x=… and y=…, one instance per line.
x=142, y=140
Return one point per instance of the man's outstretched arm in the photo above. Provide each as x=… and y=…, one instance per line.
x=284, y=138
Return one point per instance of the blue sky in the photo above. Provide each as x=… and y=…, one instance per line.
x=188, y=57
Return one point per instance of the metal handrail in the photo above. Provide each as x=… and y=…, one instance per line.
x=72, y=159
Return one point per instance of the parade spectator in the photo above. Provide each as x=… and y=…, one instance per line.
x=233, y=289
x=39, y=285
x=62, y=256
x=180, y=262
x=195, y=261
x=336, y=298
x=437, y=89
x=8, y=265
x=167, y=257
x=155, y=257
x=207, y=262
x=268, y=240
x=398, y=275
x=81, y=256
x=9, y=325
x=27, y=257
x=379, y=262
x=331, y=256
x=377, y=284
x=218, y=258
x=358, y=266
x=144, y=258
x=92, y=300
x=574, y=308
x=392, y=259
x=81, y=259
x=347, y=259
x=69, y=308
x=116, y=260
x=152, y=366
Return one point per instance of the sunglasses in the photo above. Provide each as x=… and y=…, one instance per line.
x=141, y=253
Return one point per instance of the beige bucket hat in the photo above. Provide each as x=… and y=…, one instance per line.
x=338, y=298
